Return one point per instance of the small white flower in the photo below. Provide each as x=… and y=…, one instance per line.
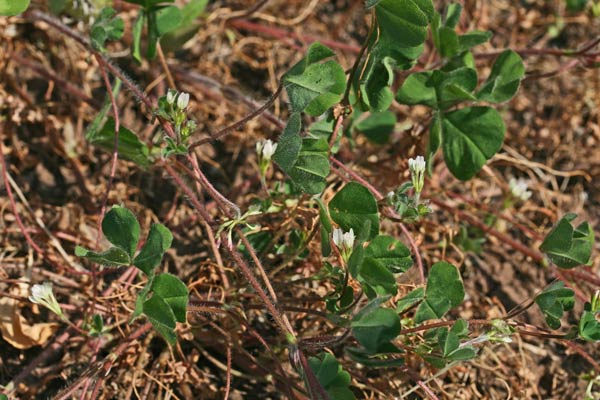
x=268, y=149
x=518, y=188
x=183, y=100
x=344, y=242
x=338, y=237
x=42, y=295
x=171, y=94
x=416, y=167
x=348, y=239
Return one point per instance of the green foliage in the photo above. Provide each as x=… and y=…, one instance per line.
x=352, y=206
x=554, y=301
x=390, y=253
x=504, y=80
x=445, y=39
x=567, y=246
x=314, y=86
x=589, y=327
x=158, y=242
x=305, y=160
x=13, y=7
x=187, y=28
x=470, y=137
x=159, y=20
x=395, y=42
x=101, y=133
x=576, y=5
x=377, y=127
x=413, y=298
x=375, y=328
x=106, y=27
x=444, y=291
x=449, y=343
x=168, y=294
x=331, y=376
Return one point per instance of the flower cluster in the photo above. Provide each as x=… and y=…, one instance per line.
x=518, y=188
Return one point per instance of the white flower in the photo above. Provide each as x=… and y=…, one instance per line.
x=518, y=188
x=171, y=96
x=42, y=294
x=348, y=239
x=268, y=149
x=417, y=164
x=183, y=100
x=417, y=172
x=344, y=242
x=338, y=236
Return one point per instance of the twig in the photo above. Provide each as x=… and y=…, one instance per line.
x=240, y=123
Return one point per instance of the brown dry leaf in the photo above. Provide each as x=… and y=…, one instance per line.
x=16, y=330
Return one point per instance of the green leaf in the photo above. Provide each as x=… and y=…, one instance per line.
x=438, y=89
x=554, y=301
x=122, y=229
x=136, y=31
x=313, y=86
x=174, y=292
x=187, y=28
x=113, y=257
x=377, y=127
x=129, y=146
x=379, y=278
x=505, y=78
x=331, y=376
x=390, y=253
x=312, y=166
x=589, y=327
x=452, y=17
x=463, y=354
x=305, y=160
x=404, y=20
x=569, y=247
x=410, y=300
x=159, y=240
x=289, y=144
x=168, y=19
x=448, y=44
x=576, y=5
x=376, y=329
x=106, y=27
x=444, y=291
x=470, y=137
x=13, y=7
x=352, y=206
x=162, y=318
x=472, y=39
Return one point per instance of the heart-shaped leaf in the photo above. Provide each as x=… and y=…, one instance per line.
x=470, y=137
